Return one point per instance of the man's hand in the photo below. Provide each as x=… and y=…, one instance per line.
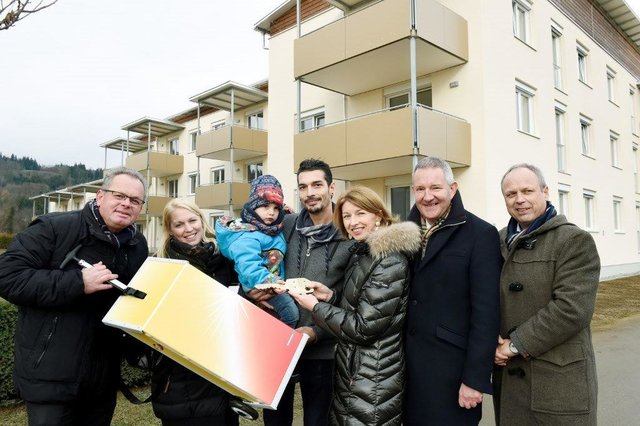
x=503, y=353
x=309, y=332
x=468, y=397
x=94, y=279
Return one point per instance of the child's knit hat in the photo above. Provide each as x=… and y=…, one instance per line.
x=265, y=189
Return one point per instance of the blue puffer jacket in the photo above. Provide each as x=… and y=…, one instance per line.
x=246, y=247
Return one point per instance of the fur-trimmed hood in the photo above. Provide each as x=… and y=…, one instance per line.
x=403, y=237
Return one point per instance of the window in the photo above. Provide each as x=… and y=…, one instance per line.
x=617, y=214
x=217, y=175
x=634, y=124
x=312, y=121
x=212, y=219
x=193, y=141
x=256, y=120
x=585, y=130
x=561, y=149
x=217, y=124
x=400, y=201
x=172, y=188
x=424, y=97
x=589, y=218
x=521, y=12
x=638, y=226
x=174, y=147
x=524, y=107
x=635, y=169
x=193, y=182
x=556, y=51
x=613, y=143
x=254, y=170
x=563, y=202
x=611, y=84
x=582, y=64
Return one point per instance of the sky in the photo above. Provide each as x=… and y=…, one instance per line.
x=73, y=74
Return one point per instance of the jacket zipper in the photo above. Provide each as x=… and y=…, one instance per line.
x=46, y=343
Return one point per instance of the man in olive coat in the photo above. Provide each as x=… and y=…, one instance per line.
x=545, y=370
x=453, y=314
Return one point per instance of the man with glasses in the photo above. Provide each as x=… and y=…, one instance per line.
x=67, y=362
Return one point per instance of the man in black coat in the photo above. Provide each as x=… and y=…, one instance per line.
x=67, y=363
x=453, y=315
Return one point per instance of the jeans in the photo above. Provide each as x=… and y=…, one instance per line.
x=286, y=309
x=316, y=387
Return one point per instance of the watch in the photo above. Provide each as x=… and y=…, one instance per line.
x=513, y=348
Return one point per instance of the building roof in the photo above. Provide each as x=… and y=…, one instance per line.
x=220, y=96
x=155, y=126
x=624, y=17
x=122, y=144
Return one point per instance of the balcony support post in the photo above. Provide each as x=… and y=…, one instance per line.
x=231, y=157
x=298, y=81
x=414, y=85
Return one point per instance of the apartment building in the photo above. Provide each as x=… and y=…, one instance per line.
x=378, y=84
x=371, y=86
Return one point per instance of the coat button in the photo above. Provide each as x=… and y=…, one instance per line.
x=412, y=332
x=414, y=302
x=516, y=286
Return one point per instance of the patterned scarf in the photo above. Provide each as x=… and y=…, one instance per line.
x=426, y=231
x=514, y=231
x=251, y=217
x=117, y=239
x=315, y=235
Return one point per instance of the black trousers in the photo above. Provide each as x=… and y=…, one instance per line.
x=316, y=387
x=95, y=412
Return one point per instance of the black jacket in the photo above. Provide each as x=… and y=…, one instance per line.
x=179, y=393
x=453, y=318
x=62, y=349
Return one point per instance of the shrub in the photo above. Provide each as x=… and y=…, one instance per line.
x=8, y=315
x=5, y=239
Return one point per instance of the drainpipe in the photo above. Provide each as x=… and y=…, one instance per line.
x=414, y=86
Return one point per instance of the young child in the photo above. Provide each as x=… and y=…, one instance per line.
x=256, y=244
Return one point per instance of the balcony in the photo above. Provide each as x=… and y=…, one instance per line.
x=370, y=48
x=222, y=195
x=246, y=142
x=159, y=164
x=155, y=204
x=381, y=144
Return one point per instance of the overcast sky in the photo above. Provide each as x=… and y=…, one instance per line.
x=73, y=74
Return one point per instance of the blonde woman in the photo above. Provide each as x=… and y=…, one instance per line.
x=369, y=316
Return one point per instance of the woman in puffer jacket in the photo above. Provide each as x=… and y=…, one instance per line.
x=369, y=317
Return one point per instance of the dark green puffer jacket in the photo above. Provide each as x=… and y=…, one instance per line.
x=368, y=324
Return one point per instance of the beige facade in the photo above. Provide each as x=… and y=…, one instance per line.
x=372, y=86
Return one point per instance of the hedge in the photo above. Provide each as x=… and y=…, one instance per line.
x=8, y=315
x=5, y=239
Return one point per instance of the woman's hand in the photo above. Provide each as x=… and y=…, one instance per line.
x=320, y=291
x=307, y=301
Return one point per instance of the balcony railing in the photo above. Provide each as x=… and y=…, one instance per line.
x=159, y=164
x=370, y=48
x=223, y=196
x=246, y=142
x=381, y=143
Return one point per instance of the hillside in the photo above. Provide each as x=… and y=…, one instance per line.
x=21, y=178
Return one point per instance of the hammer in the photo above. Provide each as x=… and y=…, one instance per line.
x=123, y=288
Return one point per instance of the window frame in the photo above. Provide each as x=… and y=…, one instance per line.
x=617, y=214
x=527, y=93
x=173, y=188
x=585, y=136
x=193, y=140
x=611, y=85
x=259, y=170
x=556, y=54
x=561, y=145
x=589, y=200
x=192, y=182
x=174, y=146
x=583, y=64
x=220, y=172
x=521, y=27
x=614, y=149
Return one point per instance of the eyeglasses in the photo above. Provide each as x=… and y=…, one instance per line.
x=121, y=197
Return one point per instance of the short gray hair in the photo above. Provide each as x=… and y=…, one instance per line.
x=534, y=169
x=436, y=163
x=112, y=173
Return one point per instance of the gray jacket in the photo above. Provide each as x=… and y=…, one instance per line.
x=324, y=263
x=368, y=323
x=548, y=290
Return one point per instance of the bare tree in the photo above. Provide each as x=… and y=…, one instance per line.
x=12, y=11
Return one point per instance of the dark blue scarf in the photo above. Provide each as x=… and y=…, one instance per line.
x=512, y=227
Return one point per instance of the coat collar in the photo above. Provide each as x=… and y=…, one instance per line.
x=457, y=217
